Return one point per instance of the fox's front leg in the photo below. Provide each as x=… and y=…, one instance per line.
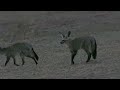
x=8, y=59
x=73, y=54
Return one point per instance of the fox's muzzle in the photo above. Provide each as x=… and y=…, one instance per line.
x=62, y=42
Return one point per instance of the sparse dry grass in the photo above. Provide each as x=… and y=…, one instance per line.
x=41, y=30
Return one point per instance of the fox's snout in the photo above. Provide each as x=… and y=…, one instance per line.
x=62, y=42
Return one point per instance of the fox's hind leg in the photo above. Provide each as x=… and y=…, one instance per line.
x=33, y=59
x=89, y=55
x=8, y=59
x=15, y=61
x=35, y=55
x=22, y=57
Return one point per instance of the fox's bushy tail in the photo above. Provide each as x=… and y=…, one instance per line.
x=94, y=53
x=36, y=56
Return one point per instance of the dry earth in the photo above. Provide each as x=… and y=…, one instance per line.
x=41, y=30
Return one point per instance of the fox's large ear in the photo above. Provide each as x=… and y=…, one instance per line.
x=62, y=35
x=69, y=33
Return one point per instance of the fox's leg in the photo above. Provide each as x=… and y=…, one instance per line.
x=15, y=61
x=8, y=59
x=73, y=54
x=33, y=59
x=89, y=55
x=22, y=57
x=35, y=55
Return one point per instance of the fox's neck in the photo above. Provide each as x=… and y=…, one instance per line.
x=68, y=42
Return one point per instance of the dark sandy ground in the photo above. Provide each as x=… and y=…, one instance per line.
x=41, y=30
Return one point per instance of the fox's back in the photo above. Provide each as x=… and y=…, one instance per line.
x=18, y=48
x=21, y=46
x=82, y=42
